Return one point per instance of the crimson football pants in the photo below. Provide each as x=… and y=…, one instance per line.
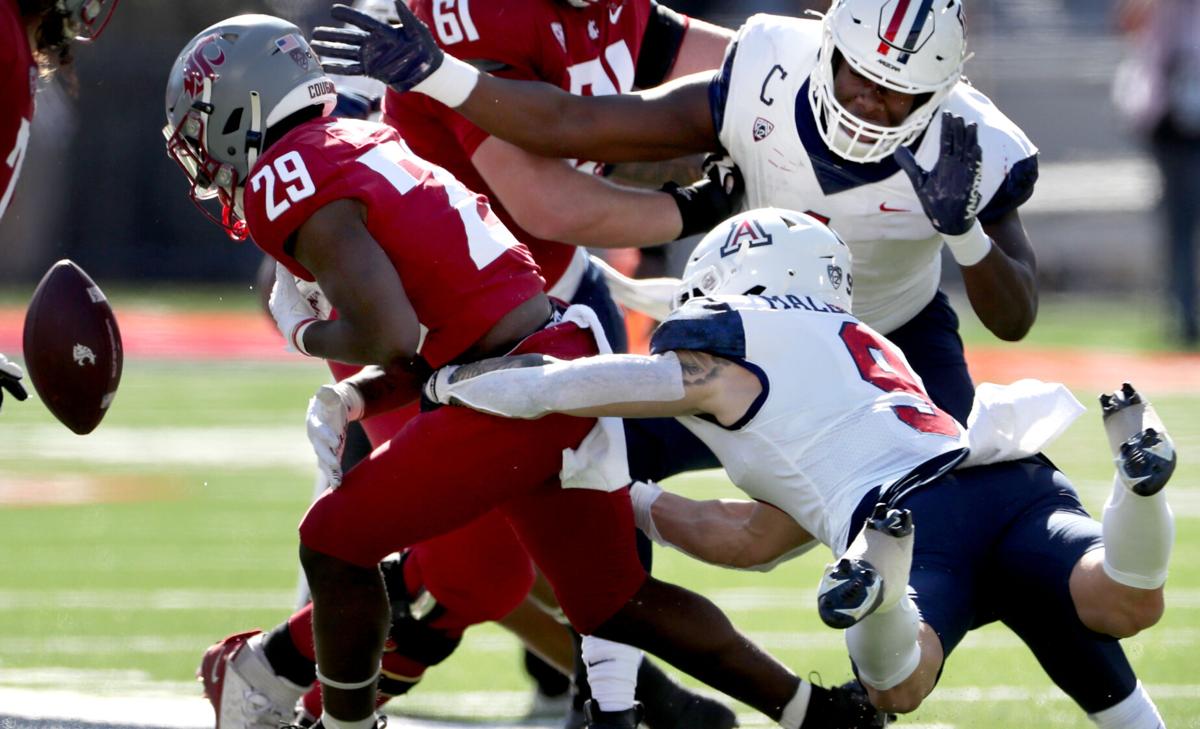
x=450, y=466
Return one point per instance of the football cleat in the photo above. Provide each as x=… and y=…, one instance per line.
x=1143, y=452
x=597, y=719
x=872, y=573
x=850, y=590
x=380, y=723
x=854, y=695
x=243, y=690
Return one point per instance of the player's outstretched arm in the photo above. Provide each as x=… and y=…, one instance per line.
x=665, y=122
x=997, y=260
x=746, y=535
x=616, y=385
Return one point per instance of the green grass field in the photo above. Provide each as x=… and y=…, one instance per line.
x=201, y=472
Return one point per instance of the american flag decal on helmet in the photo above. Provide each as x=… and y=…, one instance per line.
x=902, y=31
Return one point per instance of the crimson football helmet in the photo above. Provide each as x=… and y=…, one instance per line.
x=86, y=19
x=229, y=85
x=770, y=252
x=915, y=48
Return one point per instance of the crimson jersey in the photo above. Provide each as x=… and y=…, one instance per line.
x=461, y=268
x=18, y=82
x=589, y=51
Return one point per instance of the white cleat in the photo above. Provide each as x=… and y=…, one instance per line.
x=242, y=687
x=1143, y=452
x=872, y=574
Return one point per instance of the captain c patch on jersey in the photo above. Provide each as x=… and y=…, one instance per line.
x=762, y=128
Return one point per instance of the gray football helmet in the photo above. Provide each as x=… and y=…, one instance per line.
x=86, y=19
x=229, y=85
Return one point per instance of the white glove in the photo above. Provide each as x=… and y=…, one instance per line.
x=329, y=412
x=296, y=305
x=10, y=379
x=653, y=297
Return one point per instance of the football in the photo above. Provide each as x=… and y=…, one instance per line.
x=72, y=347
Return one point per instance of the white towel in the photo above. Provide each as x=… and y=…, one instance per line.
x=600, y=462
x=1014, y=421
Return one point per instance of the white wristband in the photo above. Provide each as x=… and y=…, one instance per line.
x=452, y=83
x=353, y=400
x=298, y=335
x=970, y=247
x=643, y=494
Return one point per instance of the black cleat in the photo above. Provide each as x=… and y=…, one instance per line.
x=858, y=693
x=1142, y=449
x=843, y=707
x=1146, y=462
x=597, y=719
x=850, y=590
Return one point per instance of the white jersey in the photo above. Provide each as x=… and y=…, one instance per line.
x=766, y=123
x=841, y=411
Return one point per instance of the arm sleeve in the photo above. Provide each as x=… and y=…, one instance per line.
x=660, y=46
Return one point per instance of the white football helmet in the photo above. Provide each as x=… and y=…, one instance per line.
x=229, y=85
x=770, y=252
x=86, y=18
x=916, y=47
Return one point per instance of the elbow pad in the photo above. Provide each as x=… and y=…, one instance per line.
x=530, y=386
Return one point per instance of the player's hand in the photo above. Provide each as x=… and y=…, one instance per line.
x=10, y=379
x=295, y=304
x=352, y=104
x=329, y=412
x=949, y=193
x=711, y=199
x=400, y=55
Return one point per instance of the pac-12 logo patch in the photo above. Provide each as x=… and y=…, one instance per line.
x=762, y=128
x=835, y=275
x=745, y=231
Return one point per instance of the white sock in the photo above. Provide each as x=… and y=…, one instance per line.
x=884, y=645
x=1138, y=533
x=612, y=670
x=331, y=723
x=796, y=709
x=1136, y=711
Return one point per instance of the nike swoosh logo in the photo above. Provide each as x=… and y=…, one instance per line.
x=883, y=208
x=614, y=14
x=597, y=663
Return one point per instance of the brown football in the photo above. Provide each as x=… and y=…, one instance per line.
x=72, y=347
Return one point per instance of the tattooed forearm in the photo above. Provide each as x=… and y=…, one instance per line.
x=700, y=369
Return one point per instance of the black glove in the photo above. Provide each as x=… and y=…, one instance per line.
x=353, y=104
x=401, y=56
x=710, y=200
x=10, y=379
x=949, y=193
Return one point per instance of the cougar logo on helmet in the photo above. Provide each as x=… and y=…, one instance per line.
x=199, y=66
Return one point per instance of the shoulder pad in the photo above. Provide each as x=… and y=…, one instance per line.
x=702, y=325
